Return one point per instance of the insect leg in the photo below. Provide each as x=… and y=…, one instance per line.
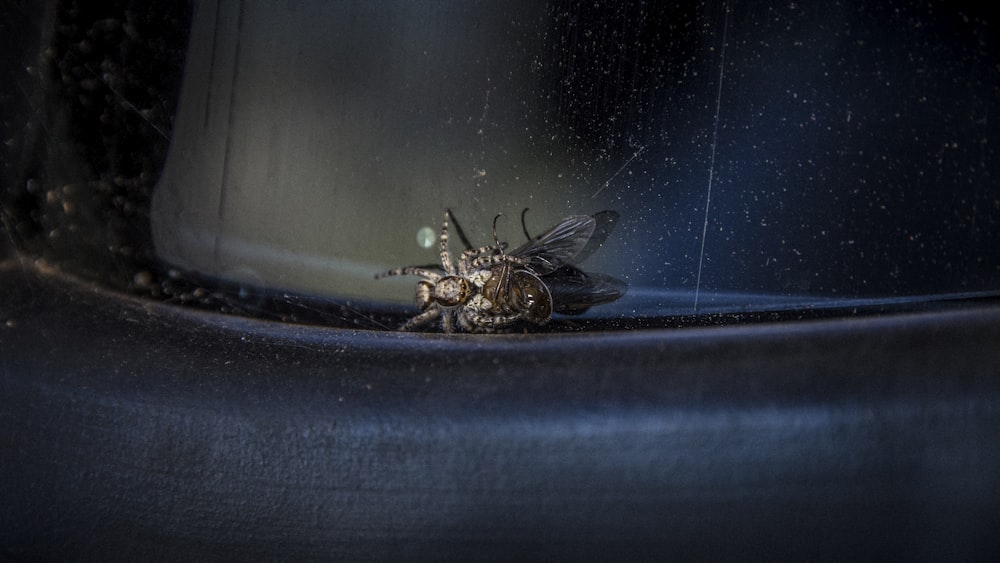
x=493, y=259
x=411, y=271
x=447, y=322
x=461, y=233
x=422, y=319
x=465, y=263
x=475, y=321
x=445, y=257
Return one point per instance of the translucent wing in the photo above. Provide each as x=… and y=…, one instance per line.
x=604, y=223
x=574, y=291
x=558, y=245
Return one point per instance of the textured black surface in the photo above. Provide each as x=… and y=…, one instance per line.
x=133, y=430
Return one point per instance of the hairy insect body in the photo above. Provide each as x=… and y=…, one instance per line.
x=456, y=295
x=487, y=290
x=452, y=291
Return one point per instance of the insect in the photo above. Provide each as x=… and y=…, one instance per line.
x=488, y=290
x=573, y=290
x=455, y=296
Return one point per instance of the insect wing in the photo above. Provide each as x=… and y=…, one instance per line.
x=558, y=245
x=604, y=223
x=574, y=291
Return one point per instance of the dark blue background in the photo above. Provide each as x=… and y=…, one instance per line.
x=855, y=146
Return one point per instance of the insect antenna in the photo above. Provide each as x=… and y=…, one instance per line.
x=496, y=239
x=524, y=226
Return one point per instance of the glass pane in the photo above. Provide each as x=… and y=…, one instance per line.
x=759, y=156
